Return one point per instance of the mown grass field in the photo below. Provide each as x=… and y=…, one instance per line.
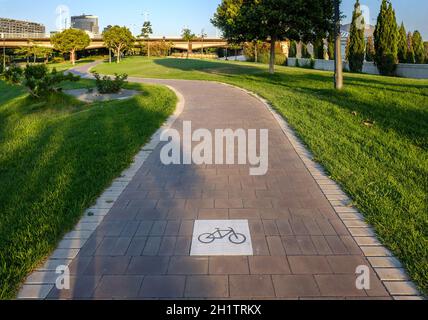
x=56, y=157
x=372, y=137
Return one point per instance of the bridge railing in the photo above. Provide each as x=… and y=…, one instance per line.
x=24, y=35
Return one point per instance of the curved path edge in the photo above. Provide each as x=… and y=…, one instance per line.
x=388, y=268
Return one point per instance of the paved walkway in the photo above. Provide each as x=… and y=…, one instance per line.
x=141, y=249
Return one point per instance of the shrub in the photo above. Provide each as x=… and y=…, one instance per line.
x=40, y=82
x=356, y=40
x=293, y=49
x=106, y=85
x=386, y=40
x=13, y=74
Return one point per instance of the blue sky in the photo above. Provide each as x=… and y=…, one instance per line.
x=170, y=16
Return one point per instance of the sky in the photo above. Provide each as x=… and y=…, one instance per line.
x=168, y=17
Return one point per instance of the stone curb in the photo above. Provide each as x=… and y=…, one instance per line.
x=39, y=283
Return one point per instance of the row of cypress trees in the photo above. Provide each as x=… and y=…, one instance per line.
x=389, y=46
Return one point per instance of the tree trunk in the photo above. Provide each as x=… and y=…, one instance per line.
x=236, y=54
x=118, y=56
x=109, y=55
x=148, y=48
x=338, y=68
x=72, y=57
x=272, y=55
x=256, y=58
x=34, y=58
x=188, y=49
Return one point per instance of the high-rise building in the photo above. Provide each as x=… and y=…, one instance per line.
x=88, y=23
x=21, y=29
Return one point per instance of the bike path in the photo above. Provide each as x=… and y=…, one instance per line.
x=142, y=248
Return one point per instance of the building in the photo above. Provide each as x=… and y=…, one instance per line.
x=21, y=29
x=88, y=23
x=345, y=32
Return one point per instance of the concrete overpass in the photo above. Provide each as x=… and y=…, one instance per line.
x=99, y=43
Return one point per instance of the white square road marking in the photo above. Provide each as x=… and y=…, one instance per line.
x=221, y=238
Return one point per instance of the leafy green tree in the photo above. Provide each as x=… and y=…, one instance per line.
x=370, y=49
x=356, y=42
x=292, y=52
x=418, y=46
x=410, y=50
x=146, y=31
x=426, y=51
x=304, y=51
x=188, y=35
x=385, y=39
x=118, y=39
x=70, y=41
x=402, y=44
x=274, y=20
x=330, y=47
x=318, y=48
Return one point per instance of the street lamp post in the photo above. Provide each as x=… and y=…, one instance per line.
x=338, y=68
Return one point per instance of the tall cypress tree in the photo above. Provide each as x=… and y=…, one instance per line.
x=385, y=39
x=418, y=46
x=370, y=49
x=402, y=44
x=357, y=43
x=410, y=51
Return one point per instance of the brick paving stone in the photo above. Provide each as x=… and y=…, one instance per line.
x=148, y=266
x=118, y=287
x=338, y=286
x=275, y=246
x=252, y=286
x=188, y=265
x=268, y=265
x=100, y=265
x=295, y=286
x=309, y=265
x=228, y=265
x=81, y=287
x=162, y=287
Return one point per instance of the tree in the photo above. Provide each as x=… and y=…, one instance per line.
x=43, y=52
x=146, y=31
x=418, y=46
x=370, y=49
x=330, y=46
x=292, y=52
x=426, y=51
x=410, y=51
x=385, y=39
x=273, y=20
x=70, y=40
x=118, y=39
x=318, y=48
x=356, y=40
x=188, y=36
x=402, y=44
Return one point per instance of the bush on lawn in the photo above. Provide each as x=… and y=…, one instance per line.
x=40, y=82
x=106, y=85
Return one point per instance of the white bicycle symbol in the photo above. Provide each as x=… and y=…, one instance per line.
x=234, y=237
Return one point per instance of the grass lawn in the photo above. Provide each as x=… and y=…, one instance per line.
x=383, y=167
x=56, y=158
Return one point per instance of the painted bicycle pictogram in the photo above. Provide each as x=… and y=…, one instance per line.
x=234, y=237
